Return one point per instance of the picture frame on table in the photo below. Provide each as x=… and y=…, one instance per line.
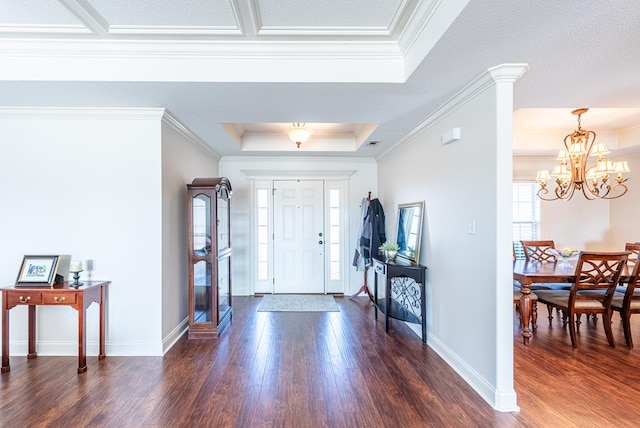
x=38, y=270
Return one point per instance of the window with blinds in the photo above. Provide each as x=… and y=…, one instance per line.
x=526, y=215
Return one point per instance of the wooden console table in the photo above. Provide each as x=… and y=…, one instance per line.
x=62, y=294
x=404, y=297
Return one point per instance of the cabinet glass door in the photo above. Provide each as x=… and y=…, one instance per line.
x=202, y=292
x=201, y=225
x=201, y=209
x=223, y=287
x=223, y=224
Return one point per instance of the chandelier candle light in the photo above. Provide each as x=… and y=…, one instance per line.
x=573, y=172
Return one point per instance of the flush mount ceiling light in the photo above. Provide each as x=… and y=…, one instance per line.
x=299, y=133
x=573, y=173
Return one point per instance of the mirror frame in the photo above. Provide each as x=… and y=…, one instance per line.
x=416, y=256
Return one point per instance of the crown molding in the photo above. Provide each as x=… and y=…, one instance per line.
x=288, y=159
x=174, y=123
x=503, y=73
x=428, y=22
x=40, y=30
x=200, y=61
x=82, y=113
x=304, y=49
x=88, y=16
x=278, y=173
x=73, y=113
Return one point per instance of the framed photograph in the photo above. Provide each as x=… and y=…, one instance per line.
x=38, y=270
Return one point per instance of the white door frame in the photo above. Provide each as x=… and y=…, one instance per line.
x=263, y=180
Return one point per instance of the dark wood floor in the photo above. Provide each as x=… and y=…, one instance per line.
x=324, y=369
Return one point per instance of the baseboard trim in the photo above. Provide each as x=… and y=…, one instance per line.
x=503, y=401
x=175, y=335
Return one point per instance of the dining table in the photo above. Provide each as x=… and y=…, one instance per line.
x=530, y=272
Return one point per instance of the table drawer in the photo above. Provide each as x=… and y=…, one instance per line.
x=26, y=297
x=380, y=268
x=59, y=298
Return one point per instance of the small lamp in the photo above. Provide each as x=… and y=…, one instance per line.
x=75, y=267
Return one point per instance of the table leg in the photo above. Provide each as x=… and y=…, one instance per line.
x=103, y=302
x=5, y=336
x=423, y=301
x=525, y=310
x=387, y=298
x=31, y=352
x=375, y=295
x=82, y=339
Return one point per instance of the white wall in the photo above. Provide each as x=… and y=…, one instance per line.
x=184, y=158
x=362, y=172
x=625, y=226
x=85, y=184
x=469, y=313
x=578, y=223
x=598, y=225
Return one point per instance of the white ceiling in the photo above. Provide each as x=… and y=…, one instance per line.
x=251, y=64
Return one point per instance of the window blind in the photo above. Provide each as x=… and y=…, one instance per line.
x=526, y=215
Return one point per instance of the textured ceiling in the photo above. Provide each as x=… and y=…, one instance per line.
x=383, y=62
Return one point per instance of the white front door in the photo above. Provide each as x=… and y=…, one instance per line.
x=298, y=241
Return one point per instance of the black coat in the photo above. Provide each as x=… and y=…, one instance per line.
x=373, y=234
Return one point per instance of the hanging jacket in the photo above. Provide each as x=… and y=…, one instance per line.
x=373, y=233
x=358, y=255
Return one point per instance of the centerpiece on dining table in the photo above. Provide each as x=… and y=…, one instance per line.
x=564, y=255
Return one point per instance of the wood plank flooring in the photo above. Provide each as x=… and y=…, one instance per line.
x=330, y=369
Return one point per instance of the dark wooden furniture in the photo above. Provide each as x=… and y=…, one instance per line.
x=538, y=250
x=209, y=248
x=60, y=295
x=596, y=278
x=404, y=298
x=528, y=272
x=629, y=303
x=531, y=272
x=516, y=300
x=517, y=295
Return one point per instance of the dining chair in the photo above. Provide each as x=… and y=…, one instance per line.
x=629, y=303
x=538, y=250
x=597, y=275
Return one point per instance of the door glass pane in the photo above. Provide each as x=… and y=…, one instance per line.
x=201, y=225
x=262, y=232
x=202, y=292
x=335, y=227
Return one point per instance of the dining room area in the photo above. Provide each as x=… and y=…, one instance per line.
x=576, y=242
x=574, y=361
x=593, y=385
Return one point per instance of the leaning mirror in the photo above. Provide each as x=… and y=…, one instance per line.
x=409, y=230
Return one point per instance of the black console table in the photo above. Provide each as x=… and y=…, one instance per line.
x=404, y=298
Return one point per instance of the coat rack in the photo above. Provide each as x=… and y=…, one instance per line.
x=365, y=286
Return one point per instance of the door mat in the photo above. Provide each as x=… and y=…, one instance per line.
x=298, y=303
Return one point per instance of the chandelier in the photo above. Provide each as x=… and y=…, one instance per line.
x=299, y=133
x=575, y=174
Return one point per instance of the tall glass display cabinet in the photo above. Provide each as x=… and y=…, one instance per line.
x=208, y=218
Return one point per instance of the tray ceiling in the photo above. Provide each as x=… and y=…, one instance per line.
x=246, y=65
x=246, y=19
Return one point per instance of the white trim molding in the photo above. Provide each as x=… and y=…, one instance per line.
x=503, y=73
